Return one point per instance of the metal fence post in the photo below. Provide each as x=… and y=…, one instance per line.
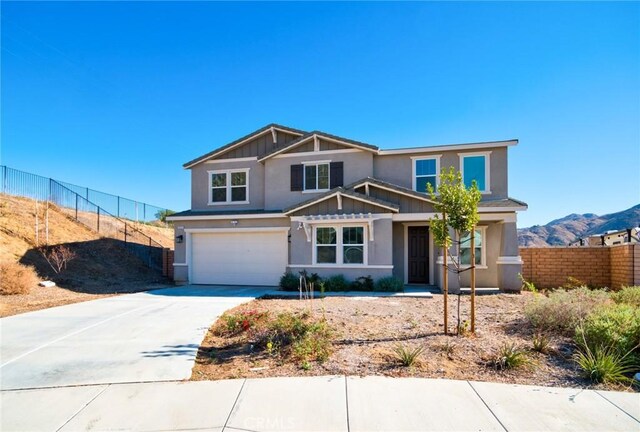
x=98, y=220
x=118, y=205
x=77, y=206
x=144, y=212
x=4, y=179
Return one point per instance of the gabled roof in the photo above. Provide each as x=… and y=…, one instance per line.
x=319, y=134
x=390, y=187
x=242, y=140
x=339, y=191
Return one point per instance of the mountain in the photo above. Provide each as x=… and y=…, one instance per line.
x=570, y=228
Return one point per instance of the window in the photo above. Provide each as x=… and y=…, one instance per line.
x=326, y=246
x=316, y=176
x=230, y=186
x=476, y=167
x=425, y=171
x=465, y=248
x=353, y=245
x=339, y=245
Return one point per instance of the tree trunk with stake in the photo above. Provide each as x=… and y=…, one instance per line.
x=445, y=282
x=473, y=280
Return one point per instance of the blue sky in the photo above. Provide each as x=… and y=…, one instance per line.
x=117, y=96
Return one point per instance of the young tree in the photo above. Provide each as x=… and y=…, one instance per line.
x=459, y=207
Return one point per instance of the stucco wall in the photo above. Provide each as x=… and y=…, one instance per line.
x=278, y=194
x=398, y=169
x=200, y=185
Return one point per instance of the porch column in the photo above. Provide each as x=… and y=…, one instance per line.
x=509, y=262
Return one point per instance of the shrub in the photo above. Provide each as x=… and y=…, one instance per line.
x=605, y=364
x=562, y=310
x=615, y=326
x=628, y=295
x=389, y=284
x=573, y=283
x=527, y=285
x=244, y=321
x=296, y=335
x=363, y=283
x=289, y=282
x=407, y=355
x=16, y=278
x=541, y=343
x=509, y=356
x=58, y=257
x=336, y=283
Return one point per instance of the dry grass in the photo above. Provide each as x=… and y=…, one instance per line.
x=101, y=267
x=16, y=278
x=367, y=330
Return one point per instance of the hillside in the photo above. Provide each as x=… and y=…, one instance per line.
x=101, y=266
x=568, y=229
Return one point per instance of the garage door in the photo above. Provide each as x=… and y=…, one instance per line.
x=238, y=258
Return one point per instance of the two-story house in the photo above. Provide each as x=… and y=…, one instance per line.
x=282, y=199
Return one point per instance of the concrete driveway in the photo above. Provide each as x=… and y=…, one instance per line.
x=150, y=336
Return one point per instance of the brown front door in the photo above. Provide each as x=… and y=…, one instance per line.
x=418, y=239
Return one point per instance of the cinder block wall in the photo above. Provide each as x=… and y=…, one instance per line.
x=167, y=263
x=600, y=266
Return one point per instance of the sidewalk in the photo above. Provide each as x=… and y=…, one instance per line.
x=318, y=404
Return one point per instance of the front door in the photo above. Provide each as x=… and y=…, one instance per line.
x=418, y=244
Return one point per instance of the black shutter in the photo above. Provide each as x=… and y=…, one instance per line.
x=336, y=174
x=296, y=177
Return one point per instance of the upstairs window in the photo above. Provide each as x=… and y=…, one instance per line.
x=425, y=171
x=476, y=167
x=316, y=176
x=465, y=248
x=229, y=187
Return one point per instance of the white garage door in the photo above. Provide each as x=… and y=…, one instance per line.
x=238, y=258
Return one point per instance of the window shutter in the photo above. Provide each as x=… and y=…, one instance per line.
x=336, y=170
x=296, y=177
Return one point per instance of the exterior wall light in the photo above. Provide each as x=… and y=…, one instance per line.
x=179, y=238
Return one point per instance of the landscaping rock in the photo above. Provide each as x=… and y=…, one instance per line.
x=47, y=284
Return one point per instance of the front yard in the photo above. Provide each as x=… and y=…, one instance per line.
x=364, y=332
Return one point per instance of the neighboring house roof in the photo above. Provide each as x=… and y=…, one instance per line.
x=242, y=140
x=389, y=186
x=507, y=203
x=339, y=191
x=323, y=135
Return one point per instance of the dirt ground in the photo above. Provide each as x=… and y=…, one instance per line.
x=101, y=267
x=367, y=329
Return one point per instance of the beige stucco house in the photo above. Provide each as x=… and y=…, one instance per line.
x=282, y=199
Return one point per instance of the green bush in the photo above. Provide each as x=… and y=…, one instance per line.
x=363, y=283
x=389, y=284
x=510, y=356
x=615, y=326
x=604, y=364
x=628, y=295
x=243, y=321
x=336, y=283
x=289, y=282
x=407, y=355
x=563, y=310
x=296, y=335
